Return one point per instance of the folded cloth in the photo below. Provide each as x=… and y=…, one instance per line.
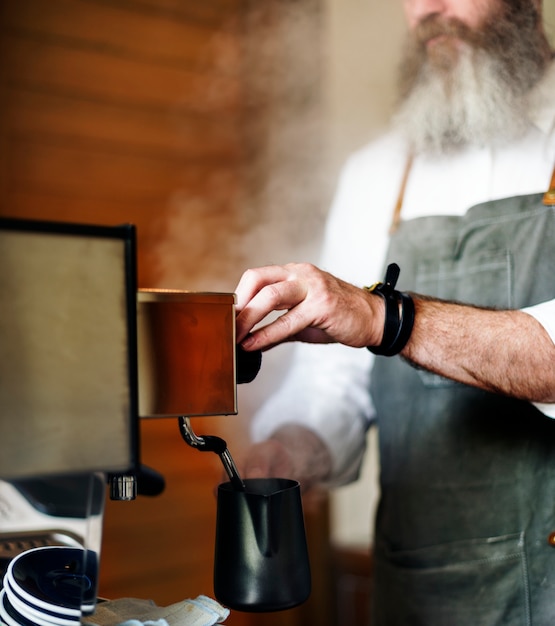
x=200, y=611
x=149, y=622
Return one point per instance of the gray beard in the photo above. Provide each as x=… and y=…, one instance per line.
x=471, y=106
x=482, y=96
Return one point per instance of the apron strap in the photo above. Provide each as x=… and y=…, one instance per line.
x=396, y=217
x=549, y=195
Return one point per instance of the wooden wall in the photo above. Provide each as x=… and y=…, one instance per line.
x=145, y=111
x=110, y=108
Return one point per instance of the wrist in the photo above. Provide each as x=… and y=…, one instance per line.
x=399, y=314
x=377, y=316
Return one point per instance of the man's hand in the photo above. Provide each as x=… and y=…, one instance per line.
x=320, y=308
x=291, y=452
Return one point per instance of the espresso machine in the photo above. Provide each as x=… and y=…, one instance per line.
x=84, y=355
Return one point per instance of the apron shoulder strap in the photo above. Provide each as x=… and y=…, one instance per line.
x=398, y=208
x=549, y=195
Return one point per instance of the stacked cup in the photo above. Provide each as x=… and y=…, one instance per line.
x=49, y=586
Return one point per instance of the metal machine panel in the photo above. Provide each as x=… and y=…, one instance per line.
x=68, y=369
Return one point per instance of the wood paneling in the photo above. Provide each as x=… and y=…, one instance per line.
x=101, y=75
x=128, y=29
x=122, y=111
x=217, y=13
x=96, y=173
x=170, y=132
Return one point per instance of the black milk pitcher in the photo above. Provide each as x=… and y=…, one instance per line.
x=261, y=558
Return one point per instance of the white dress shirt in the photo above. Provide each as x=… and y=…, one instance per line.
x=326, y=388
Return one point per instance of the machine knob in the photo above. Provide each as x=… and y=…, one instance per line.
x=247, y=365
x=123, y=487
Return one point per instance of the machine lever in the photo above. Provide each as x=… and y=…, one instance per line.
x=210, y=443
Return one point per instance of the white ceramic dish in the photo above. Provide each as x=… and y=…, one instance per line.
x=38, y=616
x=52, y=578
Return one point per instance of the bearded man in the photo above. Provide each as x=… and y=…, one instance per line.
x=453, y=193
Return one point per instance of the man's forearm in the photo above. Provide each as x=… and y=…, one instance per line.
x=507, y=352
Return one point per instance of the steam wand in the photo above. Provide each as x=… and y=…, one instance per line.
x=210, y=443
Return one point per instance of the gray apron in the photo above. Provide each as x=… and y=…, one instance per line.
x=467, y=476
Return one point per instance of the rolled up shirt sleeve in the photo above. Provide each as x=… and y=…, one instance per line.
x=545, y=314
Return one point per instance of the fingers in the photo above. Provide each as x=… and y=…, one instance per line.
x=252, y=281
x=287, y=327
x=275, y=297
x=263, y=291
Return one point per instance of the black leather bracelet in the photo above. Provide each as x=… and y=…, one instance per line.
x=399, y=314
